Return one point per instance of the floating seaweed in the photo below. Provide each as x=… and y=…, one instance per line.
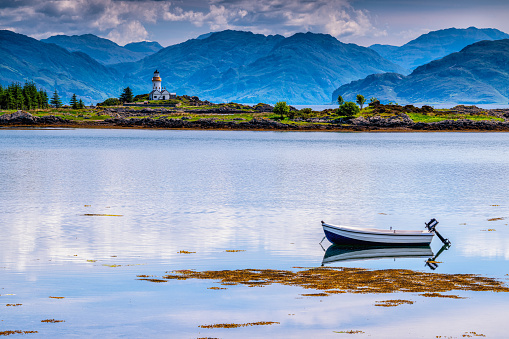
x=438, y=295
x=495, y=219
x=14, y=305
x=393, y=302
x=52, y=321
x=185, y=252
x=153, y=280
x=16, y=332
x=349, y=332
x=472, y=334
x=57, y=297
x=216, y=288
x=333, y=280
x=239, y=325
x=232, y=251
x=101, y=215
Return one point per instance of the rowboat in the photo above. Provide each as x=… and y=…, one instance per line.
x=372, y=236
x=355, y=252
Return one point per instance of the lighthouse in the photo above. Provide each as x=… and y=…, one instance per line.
x=156, y=81
x=158, y=92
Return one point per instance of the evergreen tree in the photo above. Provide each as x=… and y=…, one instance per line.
x=43, y=99
x=81, y=104
x=18, y=96
x=74, y=102
x=127, y=95
x=30, y=95
x=2, y=97
x=55, y=100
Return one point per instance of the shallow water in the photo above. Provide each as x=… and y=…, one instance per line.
x=83, y=212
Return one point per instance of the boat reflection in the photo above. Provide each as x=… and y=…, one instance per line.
x=337, y=253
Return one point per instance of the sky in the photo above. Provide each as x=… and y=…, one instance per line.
x=364, y=22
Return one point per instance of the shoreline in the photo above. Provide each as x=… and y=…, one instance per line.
x=345, y=129
x=395, y=121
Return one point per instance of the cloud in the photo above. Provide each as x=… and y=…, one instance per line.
x=127, y=21
x=335, y=17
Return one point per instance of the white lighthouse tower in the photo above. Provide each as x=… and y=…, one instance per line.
x=158, y=92
x=156, y=81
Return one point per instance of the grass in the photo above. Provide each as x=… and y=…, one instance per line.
x=439, y=116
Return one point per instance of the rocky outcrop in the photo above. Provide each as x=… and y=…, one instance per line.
x=24, y=118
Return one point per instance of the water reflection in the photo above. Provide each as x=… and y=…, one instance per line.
x=337, y=253
x=432, y=262
x=341, y=253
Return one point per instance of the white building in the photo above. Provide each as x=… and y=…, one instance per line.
x=158, y=92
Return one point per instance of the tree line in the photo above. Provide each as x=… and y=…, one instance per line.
x=28, y=97
x=16, y=96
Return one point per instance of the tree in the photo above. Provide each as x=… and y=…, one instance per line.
x=361, y=100
x=43, y=99
x=281, y=108
x=81, y=104
x=374, y=101
x=55, y=100
x=340, y=100
x=348, y=109
x=127, y=95
x=74, y=102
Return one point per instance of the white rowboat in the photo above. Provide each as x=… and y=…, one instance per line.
x=356, y=235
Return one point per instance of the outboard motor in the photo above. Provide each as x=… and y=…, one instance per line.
x=431, y=226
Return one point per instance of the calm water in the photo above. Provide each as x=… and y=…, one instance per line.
x=162, y=192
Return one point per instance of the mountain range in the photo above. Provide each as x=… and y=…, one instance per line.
x=305, y=68
x=435, y=45
x=52, y=67
x=103, y=50
x=478, y=74
x=251, y=68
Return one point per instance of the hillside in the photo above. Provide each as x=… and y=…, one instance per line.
x=478, y=74
x=436, y=45
x=252, y=68
x=144, y=47
x=103, y=50
x=52, y=67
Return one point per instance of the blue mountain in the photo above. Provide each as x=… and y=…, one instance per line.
x=103, y=50
x=478, y=74
x=53, y=67
x=250, y=68
x=436, y=45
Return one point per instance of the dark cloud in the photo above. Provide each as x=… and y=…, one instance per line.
x=359, y=21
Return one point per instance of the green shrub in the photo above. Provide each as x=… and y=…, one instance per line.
x=348, y=109
x=109, y=102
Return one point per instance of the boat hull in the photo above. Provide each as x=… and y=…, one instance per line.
x=358, y=236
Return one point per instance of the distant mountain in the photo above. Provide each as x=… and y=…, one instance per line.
x=144, y=47
x=436, y=45
x=251, y=68
x=478, y=74
x=52, y=67
x=103, y=50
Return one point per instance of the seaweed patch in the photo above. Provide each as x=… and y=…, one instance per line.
x=52, y=321
x=393, y=302
x=16, y=332
x=438, y=295
x=349, y=332
x=333, y=280
x=239, y=325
